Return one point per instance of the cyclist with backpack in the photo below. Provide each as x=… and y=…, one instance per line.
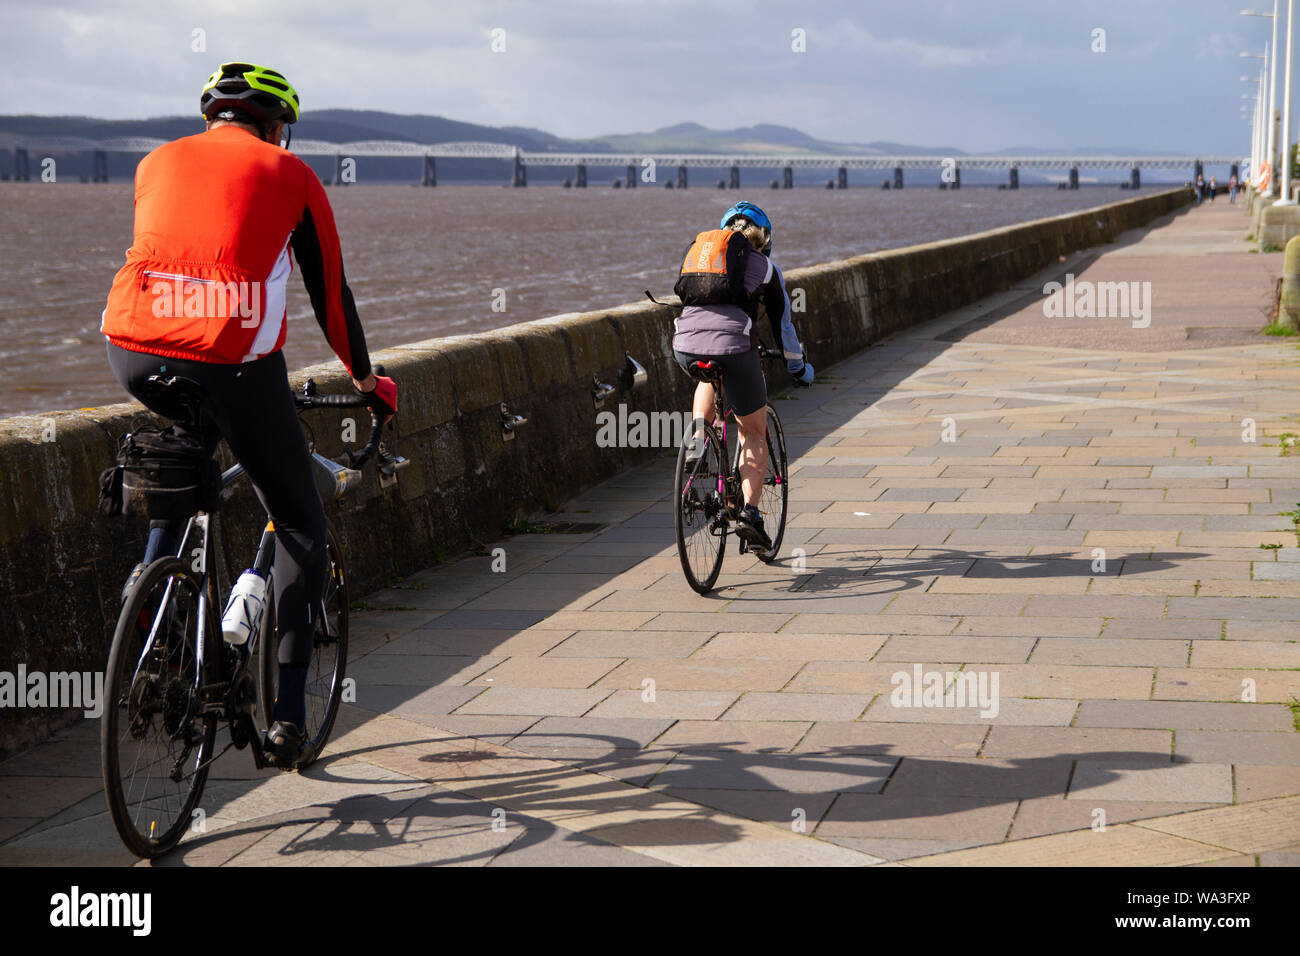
x=203, y=296
x=726, y=273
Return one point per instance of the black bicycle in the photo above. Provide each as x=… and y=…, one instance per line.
x=173, y=681
x=707, y=488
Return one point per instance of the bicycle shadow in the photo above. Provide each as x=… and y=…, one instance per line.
x=611, y=789
x=886, y=571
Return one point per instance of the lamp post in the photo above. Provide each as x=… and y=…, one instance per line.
x=1262, y=156
x=1271, y=145
x=1253, y=166
x=1286, y=199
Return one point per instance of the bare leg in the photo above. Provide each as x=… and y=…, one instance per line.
x=753, y=454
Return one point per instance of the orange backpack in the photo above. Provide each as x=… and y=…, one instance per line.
x=713, y=270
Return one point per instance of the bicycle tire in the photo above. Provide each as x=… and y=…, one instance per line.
x=140, y=696
x=775, y=497
x=699, y=513
x=328, y=665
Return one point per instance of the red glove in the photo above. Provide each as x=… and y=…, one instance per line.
x=383, y=398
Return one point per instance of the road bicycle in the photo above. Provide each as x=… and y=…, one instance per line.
x=173, y=681
x=707, y=489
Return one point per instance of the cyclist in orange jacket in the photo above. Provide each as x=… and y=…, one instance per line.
x=202, y=295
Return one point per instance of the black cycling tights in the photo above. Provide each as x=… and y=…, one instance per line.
x=252, y=408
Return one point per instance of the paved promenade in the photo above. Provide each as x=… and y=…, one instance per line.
x=1096, y=542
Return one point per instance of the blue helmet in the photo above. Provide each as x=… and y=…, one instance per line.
x=754, y=215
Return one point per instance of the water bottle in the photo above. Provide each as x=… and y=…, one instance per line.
x=244, y=610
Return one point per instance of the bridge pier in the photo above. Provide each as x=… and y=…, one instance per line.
x=338, y=171
x=733, y=178
x=1074, y=177
x=898, y=177
x=681, y=177
x=787, y=177
x=519, y=178
x=98, y=166
x=1134, y=178
x=956, y=177
x=1235, y=171
x=842, y=178
x=1013, y=177
x=430, y=177
x=1198, y=170
x=22, y=165
x=580, y=179
x=630, y=177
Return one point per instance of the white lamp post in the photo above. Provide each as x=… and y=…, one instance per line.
x=1261, y=131
x=1286, y=199
x=1272, y=88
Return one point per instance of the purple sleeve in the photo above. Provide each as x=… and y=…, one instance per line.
x=757, y=272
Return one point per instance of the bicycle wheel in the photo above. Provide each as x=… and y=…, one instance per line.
x=329, y=654
x=700, y=523
x=776, y=486
x=154, y=742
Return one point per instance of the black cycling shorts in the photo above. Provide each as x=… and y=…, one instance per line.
x=742, y=382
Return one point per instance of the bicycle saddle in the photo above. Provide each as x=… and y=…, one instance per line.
x=711, y=371
x=173, y=396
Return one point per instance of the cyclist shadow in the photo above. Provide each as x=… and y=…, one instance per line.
x=884, y=571
x=601, y=777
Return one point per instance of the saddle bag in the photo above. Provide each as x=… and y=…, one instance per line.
x=160, y=475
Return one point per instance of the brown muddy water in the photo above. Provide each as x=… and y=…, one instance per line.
x=425, y=262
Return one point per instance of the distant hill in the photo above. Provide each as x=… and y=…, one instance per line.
x=342, y=126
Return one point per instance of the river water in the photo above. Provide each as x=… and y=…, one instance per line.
x=428, y=262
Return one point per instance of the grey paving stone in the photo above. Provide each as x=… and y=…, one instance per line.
x=944, y=650
x=1040, y=816
x=621, y=733
x=1114, y=746
x=488, y=619
x=1253, y=609
x=791, y=773
x=795, y=706
x=969, y=820
x=1183, y=715
x=909, y=740
x=1111, y=651
x=1239, y=746
x=409, y=669
x=1017, y=778
x=630, y=644
x=921, y=494
x=1069, y=605
x=539, y=701
x=1179, y=783
x=667, y=704
x=1146, y=629
x=412, y=699
x=1011, y=710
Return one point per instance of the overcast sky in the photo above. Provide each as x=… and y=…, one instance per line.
x=972, y=74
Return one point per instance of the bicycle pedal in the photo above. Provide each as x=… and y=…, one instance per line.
x=242, y=731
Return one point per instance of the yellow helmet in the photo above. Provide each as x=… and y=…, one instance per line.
x=258, y=90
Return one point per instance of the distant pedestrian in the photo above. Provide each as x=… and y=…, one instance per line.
x=1200, y=189
x=1232, y=188
x=1214, y=185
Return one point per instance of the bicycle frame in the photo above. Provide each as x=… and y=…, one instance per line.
x=729, y=486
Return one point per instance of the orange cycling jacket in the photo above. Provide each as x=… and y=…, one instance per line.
x=206, y=275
